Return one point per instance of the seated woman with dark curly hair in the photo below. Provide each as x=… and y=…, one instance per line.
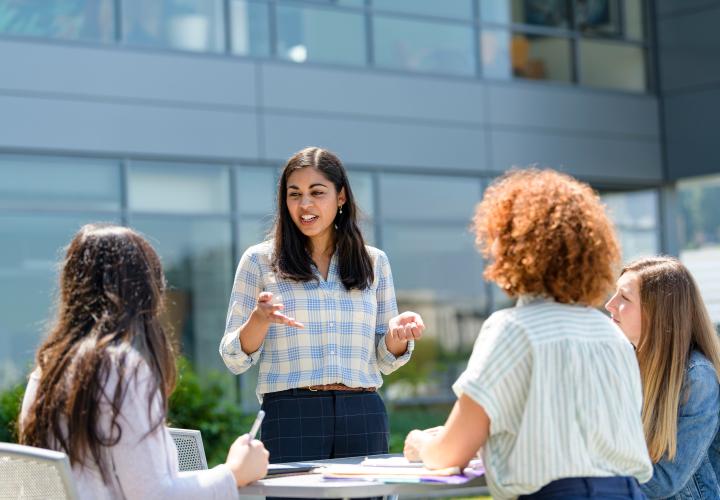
x=552, y=390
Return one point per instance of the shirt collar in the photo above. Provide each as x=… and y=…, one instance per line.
x=527, y=299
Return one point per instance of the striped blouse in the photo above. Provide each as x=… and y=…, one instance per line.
x=344, y=336
x=561, y=386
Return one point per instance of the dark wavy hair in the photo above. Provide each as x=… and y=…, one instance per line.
x=111, y=295
x=291, y=258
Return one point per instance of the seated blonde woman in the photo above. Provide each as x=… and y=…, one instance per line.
x=659, y=308
x=552, y=390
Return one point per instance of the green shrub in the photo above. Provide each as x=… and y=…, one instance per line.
x=405, y=419
x=202, y=405
x=10, y=402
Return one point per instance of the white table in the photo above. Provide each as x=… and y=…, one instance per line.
x=313, y=485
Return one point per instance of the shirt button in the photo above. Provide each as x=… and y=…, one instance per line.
x=332, y=325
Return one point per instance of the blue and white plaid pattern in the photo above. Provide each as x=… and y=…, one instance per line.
x=344, y=336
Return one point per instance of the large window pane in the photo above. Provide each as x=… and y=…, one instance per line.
x=29, y=282
x=173, y=188
x=250, y=28
x=90, y=20
x=427, y=197
x=699, y=232
x=320, y=35
x=197, y=260
x=612, y=65
x=547, y=13
x=59, y=183
x=635, y=214
x=423, y=46
x=194, y=25
x=255, y=189
x=461, y=9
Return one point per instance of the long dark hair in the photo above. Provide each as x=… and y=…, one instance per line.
x=111, y=294
x=291, y=258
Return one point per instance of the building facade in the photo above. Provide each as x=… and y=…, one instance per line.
x=175, y=116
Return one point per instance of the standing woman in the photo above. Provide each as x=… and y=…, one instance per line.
x=105, y=373
x=659, y=308
x=316, y=307
x=552, y=390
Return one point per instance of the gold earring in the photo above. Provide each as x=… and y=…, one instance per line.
x=340, y=211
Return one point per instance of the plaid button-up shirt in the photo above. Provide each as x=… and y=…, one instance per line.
x=344, y=336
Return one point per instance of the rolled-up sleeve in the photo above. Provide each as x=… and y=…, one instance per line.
x=246, y=288
x=386, y=309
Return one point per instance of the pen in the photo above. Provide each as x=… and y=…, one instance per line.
x=256, y=425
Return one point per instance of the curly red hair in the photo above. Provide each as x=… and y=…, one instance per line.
x=548, y=234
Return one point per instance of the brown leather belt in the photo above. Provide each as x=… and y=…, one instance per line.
x=339, y=387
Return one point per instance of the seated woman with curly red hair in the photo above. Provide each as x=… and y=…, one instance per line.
x=552, y=390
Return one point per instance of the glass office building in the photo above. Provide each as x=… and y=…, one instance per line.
x=175, y=116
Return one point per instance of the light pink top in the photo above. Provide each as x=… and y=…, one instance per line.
x=141, y=466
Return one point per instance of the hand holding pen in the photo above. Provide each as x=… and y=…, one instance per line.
x=248, y=458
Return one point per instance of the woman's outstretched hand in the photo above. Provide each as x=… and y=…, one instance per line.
x=268, y=310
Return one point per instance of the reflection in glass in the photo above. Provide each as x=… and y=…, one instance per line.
x=197, y=260
x=438, y=273
x=610, y=18
x=88, y=20
x=461, y=9
x=178, y=188
x=540, y=57
x=193, y=25
x=699, y=212
x=699, y=227
x=495, y=53
x=250, y=28
x=28, y=283
x=636, y=209
x=612, y=65
x=59, y=183
x=320, y=35
x=423, y=46
x=548, y=13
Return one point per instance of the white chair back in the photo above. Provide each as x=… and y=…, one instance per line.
x=191, y=454
x=32, y=473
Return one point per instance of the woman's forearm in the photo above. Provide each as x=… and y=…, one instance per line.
x=252, y=334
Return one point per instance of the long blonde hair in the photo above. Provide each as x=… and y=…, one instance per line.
x=674, y=322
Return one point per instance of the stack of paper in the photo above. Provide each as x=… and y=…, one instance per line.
x=399, y=470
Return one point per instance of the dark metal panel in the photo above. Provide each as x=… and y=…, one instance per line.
x=692, y=124
x=95, y=127
x=378, y=143
x=99, y=72
x=328, y=90
x=689, y=49
x=586, y=157
x=573, y=110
